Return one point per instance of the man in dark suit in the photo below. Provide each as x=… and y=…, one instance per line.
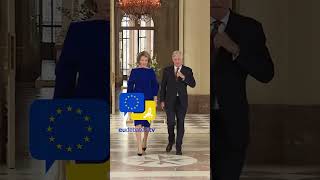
x=238, y=49
x=174, y=98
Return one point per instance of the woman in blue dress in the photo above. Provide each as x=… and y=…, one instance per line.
x=83, y=67
x=143, y=80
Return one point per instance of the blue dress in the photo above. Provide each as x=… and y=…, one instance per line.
x=86, y=54
x=82, y=71
x=143, y=80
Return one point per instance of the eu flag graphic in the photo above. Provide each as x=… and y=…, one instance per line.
x=69, y=130
x=131, y=102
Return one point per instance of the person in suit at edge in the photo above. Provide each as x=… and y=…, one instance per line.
x=82, y=70
x=238, y=49
x=143, y=79
x=174, y=98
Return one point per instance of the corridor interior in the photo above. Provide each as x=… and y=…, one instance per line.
x=156, y=164
x=281, y=148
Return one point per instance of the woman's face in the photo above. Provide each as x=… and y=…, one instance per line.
x=103, y=6
x=143, y=61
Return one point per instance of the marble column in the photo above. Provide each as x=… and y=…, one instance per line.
x=195, y=44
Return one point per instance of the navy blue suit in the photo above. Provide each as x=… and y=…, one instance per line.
x=174, y=93
x=229, y=125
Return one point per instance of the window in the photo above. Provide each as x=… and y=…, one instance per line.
x=134, y=38
x=50, y=20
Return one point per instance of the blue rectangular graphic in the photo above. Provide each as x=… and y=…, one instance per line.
x=69, y=130
x=131, y=102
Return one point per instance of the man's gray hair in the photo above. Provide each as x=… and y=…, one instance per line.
x=177, y=53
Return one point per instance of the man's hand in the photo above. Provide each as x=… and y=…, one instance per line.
x=223, y=40
x=162, y=105
x=179, y=74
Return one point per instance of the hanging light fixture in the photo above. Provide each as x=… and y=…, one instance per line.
x=139, y=10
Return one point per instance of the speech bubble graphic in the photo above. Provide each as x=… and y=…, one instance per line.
x=131, y=102
x=69, y=130
x=149, y=114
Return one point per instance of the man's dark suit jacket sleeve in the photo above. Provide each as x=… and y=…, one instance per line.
x=189, y=79
x=254, y=56
x=66, y=70
x=163, y=87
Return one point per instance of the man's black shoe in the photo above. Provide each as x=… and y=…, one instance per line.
x=169, y=148
x=179, y=153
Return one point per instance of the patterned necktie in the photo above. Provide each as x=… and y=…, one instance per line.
x=214, y=31
x=177, y=73
x=214, y=51
x=216, y=25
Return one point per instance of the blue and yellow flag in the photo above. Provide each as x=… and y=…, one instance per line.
x=69, y=130
x=131, y=102
x=149, y=113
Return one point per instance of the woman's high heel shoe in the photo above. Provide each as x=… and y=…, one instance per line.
x=145, y=147
x=140, y=152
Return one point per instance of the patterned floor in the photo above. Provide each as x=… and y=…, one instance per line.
x=155, y=164
x=194, y=123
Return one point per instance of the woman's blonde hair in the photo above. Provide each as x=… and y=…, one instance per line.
x=145, y=54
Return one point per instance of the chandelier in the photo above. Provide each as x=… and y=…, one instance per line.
x=141, y=10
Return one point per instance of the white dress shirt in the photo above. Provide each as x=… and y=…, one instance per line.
x=224, y=21
x=223, y=27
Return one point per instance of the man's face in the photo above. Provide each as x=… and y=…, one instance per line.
x=219, y=8
x=177, y=60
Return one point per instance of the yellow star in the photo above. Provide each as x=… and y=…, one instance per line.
x=59, y=110
x=87, y=118
x=49, y=129
x=69, y=149
x=59, y=146
x=86, y=139
x=79, y=146
x=52, y=119
x=89, y=128
x=79, y=111
x=69, y=108
x=52, y=139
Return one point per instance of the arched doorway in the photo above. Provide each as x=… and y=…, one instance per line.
x=134, y=37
